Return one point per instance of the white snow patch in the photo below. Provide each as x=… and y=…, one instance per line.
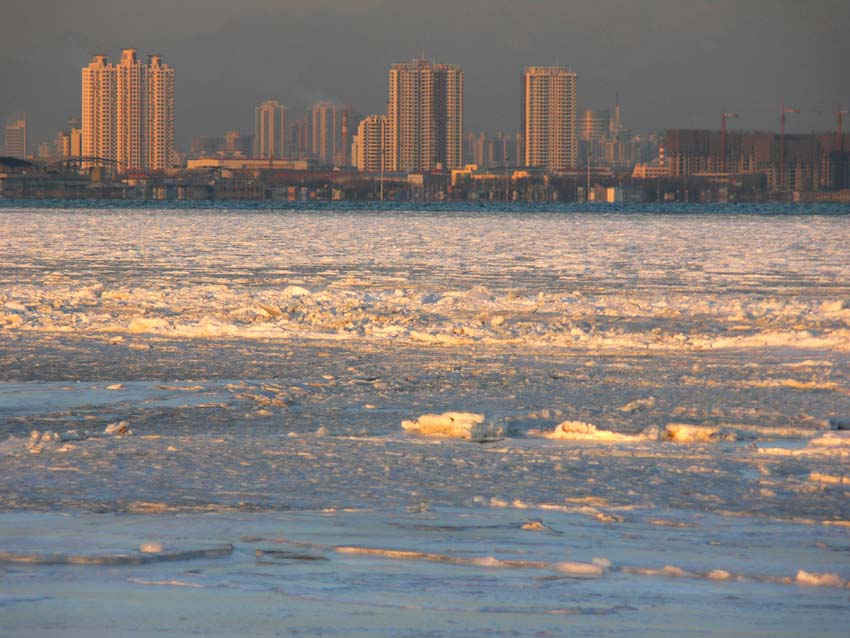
x=151, y=548
x=686, y=433
x=16, y=306
x=829, y=479
x=581, y=431
x=147, y=324
x=457, y=425
x=820, y=580
x=835, y=306
x=840, y=438
x=575, y=569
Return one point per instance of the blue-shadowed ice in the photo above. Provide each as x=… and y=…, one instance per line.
x=423, y=423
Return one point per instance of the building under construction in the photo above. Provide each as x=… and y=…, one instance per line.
x=813, y=162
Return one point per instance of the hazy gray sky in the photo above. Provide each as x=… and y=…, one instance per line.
x=675, y=62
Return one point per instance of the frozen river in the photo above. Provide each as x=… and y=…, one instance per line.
x=423, y=423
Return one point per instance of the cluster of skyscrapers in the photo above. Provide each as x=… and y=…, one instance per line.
x=128, y=121
x=422, y=129
x=128, y=112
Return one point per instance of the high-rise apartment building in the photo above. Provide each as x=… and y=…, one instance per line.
x=549, y=118
x=98, y=109
x=425, y=116
x=330, y=133
x=270, y=130
x=369, y=149
x=159, y=114
x=128, y=112
x=15, y=144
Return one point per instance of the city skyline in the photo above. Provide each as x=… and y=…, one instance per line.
x=674, y=66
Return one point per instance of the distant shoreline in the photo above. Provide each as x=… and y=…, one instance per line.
x=371, y=206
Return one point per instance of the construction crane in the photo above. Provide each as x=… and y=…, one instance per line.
x=782, y=112
x=723, y=138
x=839, y=131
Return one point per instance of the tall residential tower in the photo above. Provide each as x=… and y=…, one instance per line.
x=329, y=129
x=16, y=136
x=159, y=114
x=369, y=148
x=425, y=116
x=128, y=112
x=270, y=130
x=549, y=118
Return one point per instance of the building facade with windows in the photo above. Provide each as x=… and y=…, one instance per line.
x=15, y=137
x=369, y=148
x=425, y=116
x=270, y=130
x=128, y=112
x=549, y=118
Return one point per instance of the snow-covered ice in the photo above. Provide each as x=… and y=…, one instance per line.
x=407, y=423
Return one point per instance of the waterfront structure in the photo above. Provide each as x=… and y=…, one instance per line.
x=270, y=130
x=549, y=118
x=128, y=112
x=425, y=116
x=329, y=133
x=15, y=144
x=369, y=148
x=256, y=164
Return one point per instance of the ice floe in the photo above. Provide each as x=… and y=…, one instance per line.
x=685, y=433
x=139, y=557
x=460, y=425
x=820, y=580
x=580, y=431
